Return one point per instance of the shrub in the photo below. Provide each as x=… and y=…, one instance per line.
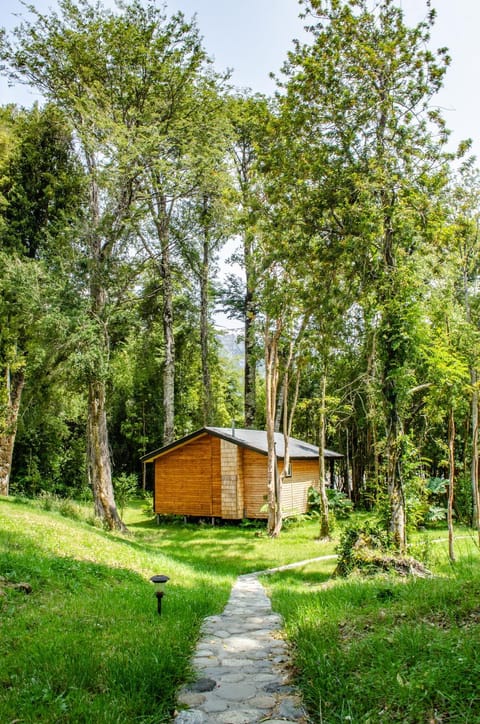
x=436, y=514
x=147, y=499
x=464, y=500
x=125, y=487
x=369, y=549
x=70, y=509
x=47, y=500
x=65, y=506
x=338, y=503
x=354, y=540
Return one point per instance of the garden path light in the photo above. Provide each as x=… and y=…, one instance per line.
x=159, y=581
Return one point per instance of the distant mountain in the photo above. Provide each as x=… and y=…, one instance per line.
x=232, y=345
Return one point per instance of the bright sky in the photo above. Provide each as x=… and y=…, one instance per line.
x=252, y=37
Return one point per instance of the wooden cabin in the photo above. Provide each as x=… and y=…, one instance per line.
x=222, y=473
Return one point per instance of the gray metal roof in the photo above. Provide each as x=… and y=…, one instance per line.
x=252, y=439
x=257, y=440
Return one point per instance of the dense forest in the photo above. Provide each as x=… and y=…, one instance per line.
x=132, y=193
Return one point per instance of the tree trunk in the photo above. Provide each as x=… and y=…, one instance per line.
x=271, y=383
x=392, y=364
x=288, y=413
x=393, y=454
x=451, y=482
x=474, y=465
x=204, y=326
x=282, y=391
x=160, y=214
x=357, y=466
x=324, y=523
x=286, y=426
x=372, y=416
x=14, y=386
x=99, y=466
x=169, y=341
x=98, y=450
x=396, y=496
x=250, y=375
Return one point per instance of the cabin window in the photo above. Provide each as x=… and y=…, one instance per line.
x=288, y=471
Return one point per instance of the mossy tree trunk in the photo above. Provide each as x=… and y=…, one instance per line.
x=274, y=524
x=324, y=522
x=14, y=384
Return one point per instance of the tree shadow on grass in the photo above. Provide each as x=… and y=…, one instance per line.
x=221, y=552
x=88, y=639
x=225, y=549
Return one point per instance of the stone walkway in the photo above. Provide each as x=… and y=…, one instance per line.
x=242, y=664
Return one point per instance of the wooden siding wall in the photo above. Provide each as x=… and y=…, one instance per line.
x=255, y=484
x=188, y=481
x=294, y=489
x=294, y=499
x=216, y=477
x=240, y=483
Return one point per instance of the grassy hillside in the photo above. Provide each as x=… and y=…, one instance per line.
x=88, y=646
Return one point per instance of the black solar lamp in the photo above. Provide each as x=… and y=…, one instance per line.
x=159, y=581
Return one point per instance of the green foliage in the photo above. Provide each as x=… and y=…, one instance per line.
x=49, y=452
x=125, y=487
x=437, y=500
x=435, y=514
x=43, y=185
x=437, y=486
x=43, y=190
x=354, y=540
x=338, y=503
x=437, y=489
x=463, y=502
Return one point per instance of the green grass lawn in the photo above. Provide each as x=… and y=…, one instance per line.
x=387, y=649
x=88, y=646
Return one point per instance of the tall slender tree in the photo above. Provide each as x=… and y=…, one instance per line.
x=115, y=75
x=369, y=147
x=203, y=219
x=249, y=117
x=180, y=149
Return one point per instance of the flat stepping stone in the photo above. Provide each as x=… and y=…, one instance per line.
x=236, y=692
x=202, y=684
